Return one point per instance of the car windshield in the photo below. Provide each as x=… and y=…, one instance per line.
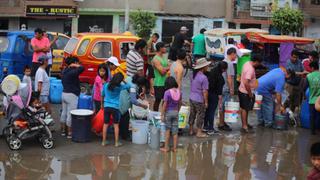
x=71, y=45
x=4, y=43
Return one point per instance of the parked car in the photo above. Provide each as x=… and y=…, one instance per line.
x=16, y=51
x=93, y=49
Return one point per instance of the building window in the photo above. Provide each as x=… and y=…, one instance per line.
x=4, y=24
x=315, y=2
x=232, y=25
x=217, y=24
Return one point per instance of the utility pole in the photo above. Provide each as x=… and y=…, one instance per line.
x=126, y=18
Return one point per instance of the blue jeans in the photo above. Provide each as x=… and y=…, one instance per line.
x=213, y=100
x=265, y=115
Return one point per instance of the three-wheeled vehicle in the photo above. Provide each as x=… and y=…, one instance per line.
x=93, y=49
x=277, y=49
x=217, y=39
x=16, y=51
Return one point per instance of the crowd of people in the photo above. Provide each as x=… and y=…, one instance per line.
x=212, y=85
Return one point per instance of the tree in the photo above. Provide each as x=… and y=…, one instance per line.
x=287, y=20
x=143, y=22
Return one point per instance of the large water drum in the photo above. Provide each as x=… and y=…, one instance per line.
x=81, y=125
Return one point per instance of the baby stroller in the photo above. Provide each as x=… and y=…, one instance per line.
x=24, y=121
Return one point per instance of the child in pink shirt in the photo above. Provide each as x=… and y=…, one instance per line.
x=101, y=78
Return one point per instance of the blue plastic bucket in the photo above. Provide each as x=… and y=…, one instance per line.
x=140, y=131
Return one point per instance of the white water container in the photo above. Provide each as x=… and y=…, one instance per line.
x=258, y=102
x=231, y=112
x=140, y=131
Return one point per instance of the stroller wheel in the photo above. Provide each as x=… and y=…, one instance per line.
x=14, y=143
x=47, y=143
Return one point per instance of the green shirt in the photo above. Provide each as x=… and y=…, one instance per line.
x=159, y=79
x=314, y=86
x=199, y=47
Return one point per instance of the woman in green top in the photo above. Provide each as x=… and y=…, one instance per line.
x=161, y=67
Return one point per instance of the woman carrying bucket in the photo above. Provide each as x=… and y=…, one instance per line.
x=199, y=96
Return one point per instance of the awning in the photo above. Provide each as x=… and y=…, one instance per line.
x=264, y=38
x=230, y=32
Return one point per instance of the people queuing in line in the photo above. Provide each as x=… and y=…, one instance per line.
x=170, y=112
x=70, y=94
x=100, y=79
x=216, y=83
x=161, y=68
x=42, y=82
x=198, y=97
x=246, y=95
x=294, y=89
x=110, y=101
x=177, y=69
x=151, y=52
x=116, y=91
x=134, y=60
x=271, y=85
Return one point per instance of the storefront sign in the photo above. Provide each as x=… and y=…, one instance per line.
x=55, y=11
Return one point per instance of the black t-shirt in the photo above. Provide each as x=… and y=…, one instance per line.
x=70, y=80
x=179, y=41
x=216, y=81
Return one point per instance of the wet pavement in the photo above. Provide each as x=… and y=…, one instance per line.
x=267, y=154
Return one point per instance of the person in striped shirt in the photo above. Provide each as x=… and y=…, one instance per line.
x=134, y=59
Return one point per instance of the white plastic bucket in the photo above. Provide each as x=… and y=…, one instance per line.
x=231, y=113
x=258, y=102
x=140, y=131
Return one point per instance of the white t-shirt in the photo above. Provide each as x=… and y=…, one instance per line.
x=42, y=76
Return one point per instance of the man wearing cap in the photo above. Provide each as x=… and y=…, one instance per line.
x=179, y=40
x=114, y=67
x=42, y=82
x=40, y=46
x=199, y=45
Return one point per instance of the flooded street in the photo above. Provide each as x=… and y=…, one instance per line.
x=268, y=154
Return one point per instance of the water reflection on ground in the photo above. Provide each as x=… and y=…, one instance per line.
x=268, y=154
